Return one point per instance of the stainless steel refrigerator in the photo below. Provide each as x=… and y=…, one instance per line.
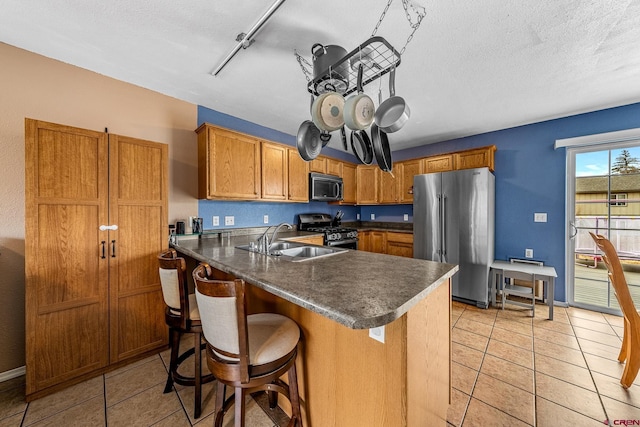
x=453, y=222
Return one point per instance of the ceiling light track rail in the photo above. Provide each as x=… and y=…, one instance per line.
x=246, y=39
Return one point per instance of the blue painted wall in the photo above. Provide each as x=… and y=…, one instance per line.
x=530, y=177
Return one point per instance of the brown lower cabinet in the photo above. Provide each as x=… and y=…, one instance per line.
x=386, y=242
x=93, y=297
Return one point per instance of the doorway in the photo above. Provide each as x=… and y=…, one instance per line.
x=603, y=195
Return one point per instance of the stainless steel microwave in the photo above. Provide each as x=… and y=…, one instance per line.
x=325, y=188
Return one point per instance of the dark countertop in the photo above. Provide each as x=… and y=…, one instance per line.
x=357, y=289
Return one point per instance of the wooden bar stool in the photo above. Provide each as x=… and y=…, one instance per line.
x=183, y=317
x=246, y=352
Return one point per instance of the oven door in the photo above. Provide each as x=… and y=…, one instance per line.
x=347, y=244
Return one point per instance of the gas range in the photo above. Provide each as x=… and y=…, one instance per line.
x=333, y=235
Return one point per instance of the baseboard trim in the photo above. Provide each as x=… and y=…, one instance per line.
x=7, y=375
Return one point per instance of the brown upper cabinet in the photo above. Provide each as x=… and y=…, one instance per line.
x=334, y=167
x=349, y=182
x=298, y=177
x=367, y=184
x=235, y=166
x=275, y=171
x=228, y=164
x=319, y=165
x=406, y=170
x=476, y=158
x=443, y=163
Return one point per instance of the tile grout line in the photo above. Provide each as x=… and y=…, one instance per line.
x=590, y=373
x=475, y=381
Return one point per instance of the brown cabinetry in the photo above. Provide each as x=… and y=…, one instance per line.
x=349, y=182
x=441, y=163
x=406, y=170
x=93, y=297
x=400, y=244
x=367, y=188
x=298, y=177
x=388, y=187
x=476, y=158
x=228, y=164
x=386, y=242
x=319, y=165
x=275, y=171
x=334, y=167
x=235, y=166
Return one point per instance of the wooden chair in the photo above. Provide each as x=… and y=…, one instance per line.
x=630, y=350
x=183, y=317
x=246, y=352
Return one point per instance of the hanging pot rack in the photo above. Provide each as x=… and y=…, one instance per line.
x=377, y=57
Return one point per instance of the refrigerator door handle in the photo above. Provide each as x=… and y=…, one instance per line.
x=443, y=228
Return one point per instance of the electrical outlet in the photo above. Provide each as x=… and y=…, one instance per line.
x=377, y=333
x=265, y=219
x=229, y=220
x=406, y=217
x=216, y=221
x=373, y=216
x=528, y=253
x=358, y=217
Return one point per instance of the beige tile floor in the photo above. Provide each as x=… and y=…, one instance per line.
x=508, y=370
x=130, y=396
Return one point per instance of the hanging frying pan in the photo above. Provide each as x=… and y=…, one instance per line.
x=381, y=149
x=326, y=111
x=308, y=141
x=359, y=109
x=394, y=112
x=361, y=146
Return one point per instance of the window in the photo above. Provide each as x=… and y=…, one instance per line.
x=618, y=199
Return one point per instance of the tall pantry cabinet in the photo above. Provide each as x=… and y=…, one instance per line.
x=96, y=218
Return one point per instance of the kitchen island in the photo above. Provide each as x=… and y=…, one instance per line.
x=347, y=378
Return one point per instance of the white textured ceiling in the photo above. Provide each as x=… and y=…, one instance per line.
x=472, y=67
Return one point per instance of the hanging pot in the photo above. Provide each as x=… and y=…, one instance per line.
x=325, y=137
x=308, y=141
x=359, y=109
x=361, y=146
x=325, y=57
x=381, y=149
x=327, y=111
x=394, y=112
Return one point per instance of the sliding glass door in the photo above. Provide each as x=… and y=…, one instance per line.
x=605, y=187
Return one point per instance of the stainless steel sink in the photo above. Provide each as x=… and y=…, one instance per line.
x=278, y=246
x=297, y=252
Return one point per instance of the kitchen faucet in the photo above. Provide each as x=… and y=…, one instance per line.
x=264, y=243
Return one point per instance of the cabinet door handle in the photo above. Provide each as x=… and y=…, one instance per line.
x=113, y=249
x=113, y=227
x=103, y=243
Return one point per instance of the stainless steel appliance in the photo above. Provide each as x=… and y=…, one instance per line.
x=343, y=237
x=325, y=188
x=453, y=222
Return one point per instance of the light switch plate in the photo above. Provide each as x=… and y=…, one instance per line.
x=216, y=221
x=265, y=219
x=540, y=217
x=373, y=216
x=358, y=216
x=528, y=253
x=406, y=217
x=229, y=220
